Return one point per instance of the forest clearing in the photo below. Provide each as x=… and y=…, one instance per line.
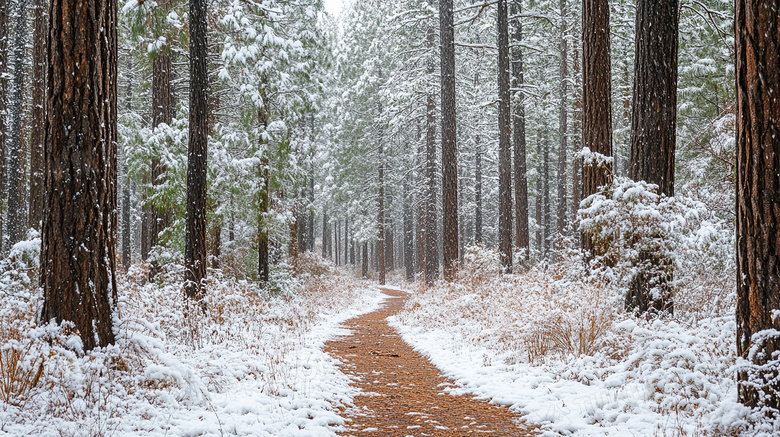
x=389, y=217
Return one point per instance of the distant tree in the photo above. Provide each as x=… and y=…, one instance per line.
x=449, y=152
x=429, y=202
x=195, y=236
x=654, y=121
x=77, y=248
x=504, y=153
x=518, y=134
x=758, y=194
x=563, y=122
x=597, y=91
x=15, y=172
x=38, y=133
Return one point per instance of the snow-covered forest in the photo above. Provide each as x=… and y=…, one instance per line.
x=273, y=218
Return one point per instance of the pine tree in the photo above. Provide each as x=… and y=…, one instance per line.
x=758, y=193
x=195, y=243
x=77, y=248
x=504, y=153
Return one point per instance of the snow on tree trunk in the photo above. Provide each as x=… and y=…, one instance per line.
x=758, y=194
x=77, y=249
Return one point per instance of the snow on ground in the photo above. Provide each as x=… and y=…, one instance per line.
x=561, y=351
x=252, y=365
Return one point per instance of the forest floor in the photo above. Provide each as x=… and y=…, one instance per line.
x=402, y=392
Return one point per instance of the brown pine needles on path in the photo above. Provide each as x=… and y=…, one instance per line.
x=402, y=392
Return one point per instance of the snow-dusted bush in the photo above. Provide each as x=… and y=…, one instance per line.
x=645, y=239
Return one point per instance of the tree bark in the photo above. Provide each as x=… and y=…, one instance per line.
x=14, y=231
x=597, y=92
x=364, y=264
x=758, y=196
x=38, y=133
x=195, y=236
x=77, y=249
x=518, y=139
x=449, y=152
x=504, y=154
x=654, y=119
x=654, y=109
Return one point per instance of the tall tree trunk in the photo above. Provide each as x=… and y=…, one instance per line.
x=597, y=92
x=337, y=235
x=195, y=236
x=654, y=110
x=758, y=194
x=518, y=139
x=538, y=207
x=364, y=263
x=563, y=122
x=4, y=25
x=654, y=122
x=504, y=154
x=381, y=199
x=14, y=225
x=449, y=152
x=263, y=200
x=77, y=248
x=38, y=133
x=324, y=231
x=478, y=191
x=576, y=192
x=431, y=247
x=310, y=234
x=162, y=113
x=408, y=232
x=546, y=194
x=126, y=228
x=420, y=205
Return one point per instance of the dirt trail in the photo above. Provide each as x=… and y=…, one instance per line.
x=402, y=391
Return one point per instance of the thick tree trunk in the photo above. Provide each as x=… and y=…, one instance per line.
x=563, y=122
x=324, y=231
x=654, y=120
x=504, y=154
x=195, y=235
x=518, y=139
x=449, y=153
x=654, y=110
x=14, y=227
x=77, y=248
x=597, y=91
x=758, y=194
x=38, y=133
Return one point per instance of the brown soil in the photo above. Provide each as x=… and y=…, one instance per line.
x=402, y=391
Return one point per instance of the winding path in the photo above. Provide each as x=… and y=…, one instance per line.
x=402, y=391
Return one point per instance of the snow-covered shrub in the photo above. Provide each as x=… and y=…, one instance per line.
x=642, y=239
